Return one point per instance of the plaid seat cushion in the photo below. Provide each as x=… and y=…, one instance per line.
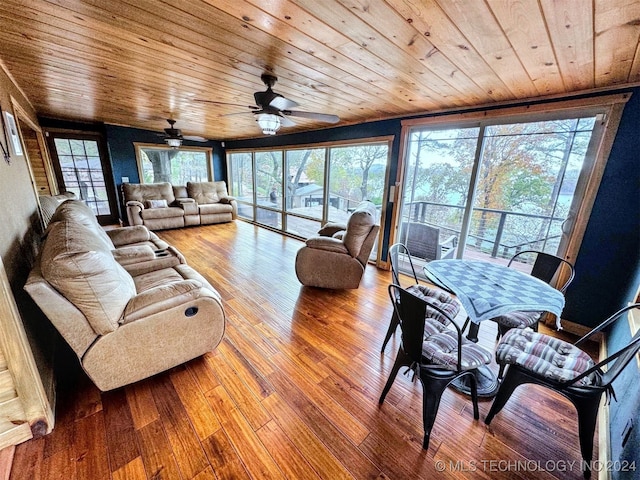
x=442, y=349
x=546, y=356
x=518, y=319
x=440, y=299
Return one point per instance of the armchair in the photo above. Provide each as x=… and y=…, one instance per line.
x=338, y=255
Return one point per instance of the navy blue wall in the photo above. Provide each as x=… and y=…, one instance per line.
x=608, y=264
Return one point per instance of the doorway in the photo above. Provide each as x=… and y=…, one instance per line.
x=82, y=167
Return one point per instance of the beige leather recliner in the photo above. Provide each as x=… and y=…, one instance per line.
x=123, y=326
x=338, y=255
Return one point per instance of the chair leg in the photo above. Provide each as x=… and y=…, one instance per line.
x=393, y=325
x=473, y=386
x=587, y=416
x=401, y=360
x=432, y=389
x=508, y=385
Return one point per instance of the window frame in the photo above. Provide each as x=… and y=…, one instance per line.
x=208, y=151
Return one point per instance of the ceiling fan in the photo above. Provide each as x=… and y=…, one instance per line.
x=272, y=110
x=173, y=136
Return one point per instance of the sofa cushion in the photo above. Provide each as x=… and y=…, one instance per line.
x=169, y=212
x=140, y=192
x=213, y=208
x=83, y=270
x=203, y=192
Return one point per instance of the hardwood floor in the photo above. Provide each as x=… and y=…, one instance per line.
x=291, y=392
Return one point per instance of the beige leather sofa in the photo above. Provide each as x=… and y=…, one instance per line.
x=338, y=255
x=128, y=321
x=160, y=205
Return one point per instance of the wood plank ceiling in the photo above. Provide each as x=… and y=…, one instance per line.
x=138, y=62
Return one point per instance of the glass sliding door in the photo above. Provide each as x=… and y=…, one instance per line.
x=304, y=193
x=526, y=182
x=240, y=168
x=437, y=177
x=269, y=188
x=498, y=188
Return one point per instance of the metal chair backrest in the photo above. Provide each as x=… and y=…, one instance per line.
x=412, y=312
x=618, y=360
x=546, y=266
x=399, y=251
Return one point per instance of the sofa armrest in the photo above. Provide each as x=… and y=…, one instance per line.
x=329, y=244
x=134, y=254
x=330, y=229
x=161, y=298
x=189, y=205
x=134, y=212
x=128, y=235
x=135, y=203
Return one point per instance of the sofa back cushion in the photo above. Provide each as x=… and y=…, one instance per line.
x=180, y=191
x=78, y=211
x=359, y=225
x=141, y=192
x=207, y=192
x=79, y=265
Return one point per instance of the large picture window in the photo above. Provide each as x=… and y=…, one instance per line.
x=157, y=163
x=504, y=181
x=296, y=190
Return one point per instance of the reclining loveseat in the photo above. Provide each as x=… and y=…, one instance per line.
x=162, y=205
x=125, y=301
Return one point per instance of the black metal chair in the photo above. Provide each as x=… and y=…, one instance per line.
x=531, y=357
x=398, y=253
x=436, y=360
x=545, y=268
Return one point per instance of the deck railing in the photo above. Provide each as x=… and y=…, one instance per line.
x=488, y=233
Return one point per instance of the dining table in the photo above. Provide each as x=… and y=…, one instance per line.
x=487, y=290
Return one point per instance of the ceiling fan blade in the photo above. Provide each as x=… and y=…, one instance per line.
x=195, y=138
x=321, y=117
x=282, y=103
x=286, y=122
x=234, y=113
x=214, y=102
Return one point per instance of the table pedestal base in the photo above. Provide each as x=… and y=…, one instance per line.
x=487, y=383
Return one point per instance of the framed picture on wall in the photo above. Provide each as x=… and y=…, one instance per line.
x=12, y=131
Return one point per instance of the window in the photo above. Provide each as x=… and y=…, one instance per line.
x=158, y=163
x=502, y=181
x=297, y=190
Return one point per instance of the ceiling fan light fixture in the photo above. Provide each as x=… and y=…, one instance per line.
x=269, y=123
x=173, y=142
